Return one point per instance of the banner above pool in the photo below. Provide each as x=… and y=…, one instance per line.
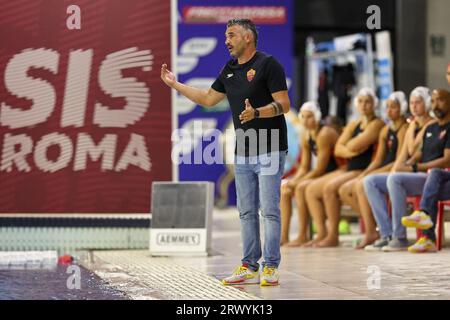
x=85, y=121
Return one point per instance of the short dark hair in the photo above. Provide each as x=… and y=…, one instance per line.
x=246, y=24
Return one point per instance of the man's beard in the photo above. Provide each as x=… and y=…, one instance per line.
x=440, y=114
x=236, y=53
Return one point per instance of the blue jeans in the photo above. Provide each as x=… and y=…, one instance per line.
x=399, y=186
x=375, y=187
x=437, y=187
x=258, y=181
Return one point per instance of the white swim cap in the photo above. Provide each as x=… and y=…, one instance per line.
x=367, y=91
x=425, y=94
x=400, y=98
x=314, y=108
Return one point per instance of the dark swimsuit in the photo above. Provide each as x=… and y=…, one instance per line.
x=391, y=146
x=362, y=160
x=332, y=165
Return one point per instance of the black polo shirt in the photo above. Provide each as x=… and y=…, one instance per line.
x=256, y=80
x=435, y=140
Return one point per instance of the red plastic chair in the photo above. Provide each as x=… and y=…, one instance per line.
x=440, y=223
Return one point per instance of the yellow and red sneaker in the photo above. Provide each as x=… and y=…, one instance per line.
x=242, y=275
x=418, y=219
x=270, y=277
x=423, y=245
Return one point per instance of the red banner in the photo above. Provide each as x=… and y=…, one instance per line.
x=85, y=121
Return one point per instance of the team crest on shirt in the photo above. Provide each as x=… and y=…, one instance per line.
x=250, y=74
x=442, y=134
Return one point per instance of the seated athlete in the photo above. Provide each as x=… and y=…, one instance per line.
x=317, y=159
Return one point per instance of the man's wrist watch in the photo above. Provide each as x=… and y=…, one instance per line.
x=414, y=167
x=256, y=113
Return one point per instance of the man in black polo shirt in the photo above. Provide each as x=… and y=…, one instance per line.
x=410, y=181
x=255, y=85
x=437, y=187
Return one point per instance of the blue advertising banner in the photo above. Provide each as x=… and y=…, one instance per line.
x=201, y=55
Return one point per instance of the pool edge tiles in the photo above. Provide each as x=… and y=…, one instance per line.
x=162, y=278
